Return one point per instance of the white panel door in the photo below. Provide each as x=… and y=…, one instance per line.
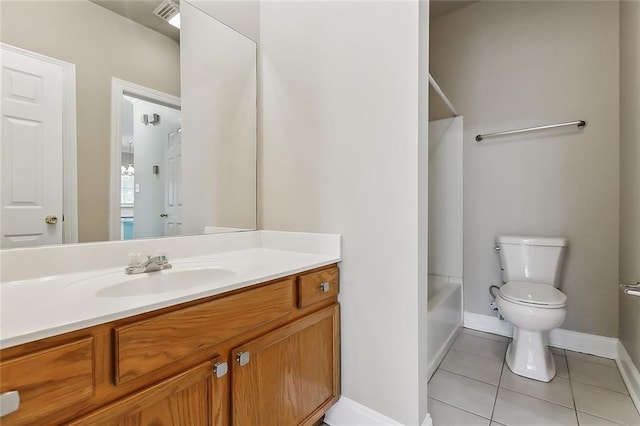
x=32, y=95
x=173, y=190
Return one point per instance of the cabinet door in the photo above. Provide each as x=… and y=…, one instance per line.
x=289, y=376
x=183, y=400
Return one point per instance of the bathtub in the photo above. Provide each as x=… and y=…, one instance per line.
x=444, y=317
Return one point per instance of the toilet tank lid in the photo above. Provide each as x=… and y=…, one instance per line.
x=532, y=241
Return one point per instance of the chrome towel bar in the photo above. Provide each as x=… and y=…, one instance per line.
x=580, y=123
x=631, y=289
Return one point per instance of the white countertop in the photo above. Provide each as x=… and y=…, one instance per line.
x=36, y=308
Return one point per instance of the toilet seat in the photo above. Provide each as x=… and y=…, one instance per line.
x=530, y=293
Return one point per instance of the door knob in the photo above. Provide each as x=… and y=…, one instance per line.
x=51, y=219
x=164, y=215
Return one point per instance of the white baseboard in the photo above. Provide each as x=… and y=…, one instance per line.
x=347, y=412
x=487, y=323
x=606, y=347
x=630, y=374
x=427, y=421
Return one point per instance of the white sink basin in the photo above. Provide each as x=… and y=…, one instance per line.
x=180, y=277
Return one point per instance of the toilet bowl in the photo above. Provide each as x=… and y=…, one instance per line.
x=530, y=301
x=533, y=309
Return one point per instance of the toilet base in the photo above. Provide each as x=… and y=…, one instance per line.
x=529, y=356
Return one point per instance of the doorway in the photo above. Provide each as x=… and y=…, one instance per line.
x=146, y=163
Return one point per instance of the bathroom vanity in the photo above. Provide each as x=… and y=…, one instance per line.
x=250, y=352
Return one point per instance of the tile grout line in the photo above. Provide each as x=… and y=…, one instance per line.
x=470, y=353
x=495, y=400
x=573, y=398
x=458, y=408
x=601, y=387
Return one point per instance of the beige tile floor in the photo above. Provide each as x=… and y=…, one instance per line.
x=474, y=386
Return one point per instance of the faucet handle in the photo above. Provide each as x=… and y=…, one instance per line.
x=162, y=255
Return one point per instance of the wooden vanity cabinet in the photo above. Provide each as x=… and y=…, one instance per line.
x=289, y=376
x=267, y=354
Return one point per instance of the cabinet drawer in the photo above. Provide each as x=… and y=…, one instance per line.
x=317, y=286
x=147, y=345
x=49, y=381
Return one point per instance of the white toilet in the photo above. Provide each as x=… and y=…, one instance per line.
x=530, y=301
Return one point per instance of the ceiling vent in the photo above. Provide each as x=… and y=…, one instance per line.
x=167, y=10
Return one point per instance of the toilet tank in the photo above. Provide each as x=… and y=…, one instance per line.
x=531, y=258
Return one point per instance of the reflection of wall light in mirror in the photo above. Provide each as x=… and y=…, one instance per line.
x=154, y=120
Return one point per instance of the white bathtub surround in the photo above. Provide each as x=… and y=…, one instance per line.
x=444, y=317
x=445, y=197
x=43, y=293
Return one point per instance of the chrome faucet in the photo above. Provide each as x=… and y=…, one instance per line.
x=151, y=264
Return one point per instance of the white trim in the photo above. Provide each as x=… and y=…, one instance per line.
x=118, y=89
x=487, y=323
x=630, y=374
x=427, y=421
x=70, y=157
x=606, y=347
x=69, y=142
x=442, y=352
x=347, y=412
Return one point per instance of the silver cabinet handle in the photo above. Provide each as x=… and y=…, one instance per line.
x=220, y=369
x=9, y=402
x=243, y=358
x=324, y=287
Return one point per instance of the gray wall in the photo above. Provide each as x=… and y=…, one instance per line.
x=508, y=65
x=630, y=173
x=102, y=45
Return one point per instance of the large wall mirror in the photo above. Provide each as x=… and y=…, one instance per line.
x=116, y=125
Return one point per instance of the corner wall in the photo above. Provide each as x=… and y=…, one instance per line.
x=510, y=65
x=344, y=151
x=630, y=174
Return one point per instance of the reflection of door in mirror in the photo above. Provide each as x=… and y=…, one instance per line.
x=173, y=185
x=35, y=105
x=149, y=165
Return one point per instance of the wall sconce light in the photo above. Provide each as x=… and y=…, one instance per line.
x=154, y=119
